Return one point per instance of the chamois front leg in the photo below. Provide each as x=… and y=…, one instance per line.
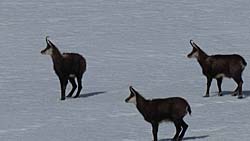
x=209, y=81
x=63, y=82
x=155, y=126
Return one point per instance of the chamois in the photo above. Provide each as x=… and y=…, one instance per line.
x=67, y=66
x=157, y=110
x=219, y=66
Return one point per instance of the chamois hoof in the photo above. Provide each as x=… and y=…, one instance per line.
x=76, y=96
x=220, y=94
x=240, y=97
x=206, y=95
x=63, y=98
x=176, y=139
x=69, y=96
x=234, y=94
x=179, y=139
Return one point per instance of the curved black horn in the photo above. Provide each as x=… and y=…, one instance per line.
x=47, y=39
x=191, y=42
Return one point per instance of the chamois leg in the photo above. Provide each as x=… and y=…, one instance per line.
x=155, y=130
x=209, y=81
x=178, y=130
x=79, y=81
x=63, y=82
x=219, y=82
x=235, y=91
x=239, y=81
x=184, y=128
x=74, y=86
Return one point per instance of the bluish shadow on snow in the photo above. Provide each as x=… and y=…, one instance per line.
x=188, y=138
x=246, y=93
x=91, y=94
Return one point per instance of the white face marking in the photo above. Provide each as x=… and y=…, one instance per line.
x=220, y=75
x=195, y=55
x=132, y=100
x=48, y=51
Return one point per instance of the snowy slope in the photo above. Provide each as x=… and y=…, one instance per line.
x=127, y=42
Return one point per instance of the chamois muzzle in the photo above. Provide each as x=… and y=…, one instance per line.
x=193, y=53
x=126, y=100
x=43, y=52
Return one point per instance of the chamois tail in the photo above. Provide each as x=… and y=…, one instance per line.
x=244, y=62
x=189, y=109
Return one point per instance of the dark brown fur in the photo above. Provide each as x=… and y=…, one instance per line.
x=213, y=66
x=67, y=66
x=157, y=110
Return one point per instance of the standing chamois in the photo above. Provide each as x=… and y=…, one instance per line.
x=67, y=66
x=157, y=110
x=219, y=66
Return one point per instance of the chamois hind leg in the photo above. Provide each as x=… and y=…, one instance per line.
x=235, y=91
x=239, y=81
x=79, y=81
x=219, y=82
x=74, y=86
x=178, y=130
x=184, y=128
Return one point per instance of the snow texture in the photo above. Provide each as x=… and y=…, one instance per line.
x=141, y=43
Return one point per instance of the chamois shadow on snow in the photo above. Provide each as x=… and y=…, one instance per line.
x=246, y=93
x=91, y=94
x=188, y=138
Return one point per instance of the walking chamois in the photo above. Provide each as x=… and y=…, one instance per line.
x=67, y=66
x=219, y=66
x=155, y=111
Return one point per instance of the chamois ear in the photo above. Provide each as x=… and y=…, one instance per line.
x=132, y=90
x=49, y=42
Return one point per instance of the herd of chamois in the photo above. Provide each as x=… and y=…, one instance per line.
x=69, y=66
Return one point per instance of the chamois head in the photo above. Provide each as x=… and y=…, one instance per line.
x=49, y=49
x=132, y=97
x=195, y=52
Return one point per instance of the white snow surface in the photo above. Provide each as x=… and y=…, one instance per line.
x=141, y=43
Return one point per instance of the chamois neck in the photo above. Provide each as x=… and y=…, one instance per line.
x=141, y=104
x=139, y=97
x=202, y=59
x=202, y=56
x=56, y=56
